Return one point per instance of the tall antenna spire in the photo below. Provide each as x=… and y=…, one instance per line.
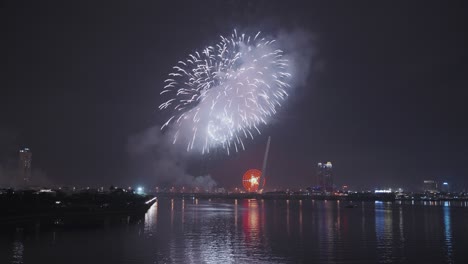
x=265, y=159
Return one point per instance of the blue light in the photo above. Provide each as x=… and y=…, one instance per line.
x=445, y=183
x=139, y=190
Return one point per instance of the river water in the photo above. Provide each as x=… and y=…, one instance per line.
x=257, y=231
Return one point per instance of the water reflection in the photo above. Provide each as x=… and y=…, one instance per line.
x=151, y=218
x=400, y=227
x=287, y=218
x=325, y=223
x=448, y=232
x=209, y=233
x=172, y=213
x=235, y=213
x=258, y=231
x=363, y=223
x=251, y=221
x=18, y=248
x=384, y=231
x=300, y=218
x=183, y=210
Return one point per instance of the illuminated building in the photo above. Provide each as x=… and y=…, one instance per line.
x=24, y=166
x=445, y=187
x=325, y=177
x=430, y=186
x=383, y=190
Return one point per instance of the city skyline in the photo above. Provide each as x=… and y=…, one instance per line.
x=321, y=182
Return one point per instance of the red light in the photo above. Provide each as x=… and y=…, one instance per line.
x=251, y=180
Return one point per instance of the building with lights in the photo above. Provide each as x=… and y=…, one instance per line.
x=430, y=186
x=445, y=187
x=24, y=164
x=325, y=177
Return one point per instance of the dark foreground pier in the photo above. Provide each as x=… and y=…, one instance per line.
x=50, y=208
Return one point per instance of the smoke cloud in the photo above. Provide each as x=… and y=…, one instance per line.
x=157, y=161
x=10, y=178
x=299, y=48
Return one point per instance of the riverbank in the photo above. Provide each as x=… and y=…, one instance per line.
x=62, y=209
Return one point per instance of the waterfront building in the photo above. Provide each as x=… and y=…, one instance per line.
x=24, y=166
x=445, y=187
x=325, y=176
x=430, y=186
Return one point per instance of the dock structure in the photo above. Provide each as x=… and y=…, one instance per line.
x=49, y=208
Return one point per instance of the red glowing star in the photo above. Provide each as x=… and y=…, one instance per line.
x=251, y=180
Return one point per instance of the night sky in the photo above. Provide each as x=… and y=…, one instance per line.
x=384, y=101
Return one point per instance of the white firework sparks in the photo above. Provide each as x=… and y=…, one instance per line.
x=222, y=95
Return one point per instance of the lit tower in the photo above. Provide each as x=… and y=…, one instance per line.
x=24, y=166
x=325, y=176
x=430, y=186
x=445, y=187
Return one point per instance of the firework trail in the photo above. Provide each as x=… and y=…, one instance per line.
x=224, y=94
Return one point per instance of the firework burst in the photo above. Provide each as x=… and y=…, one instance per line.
x=222, y=95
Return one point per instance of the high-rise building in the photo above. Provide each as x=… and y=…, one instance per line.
x=325, y=177
x=430, y=186
x=445, y=187
x=24, y=166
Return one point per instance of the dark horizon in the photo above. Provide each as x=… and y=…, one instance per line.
x=384, y=99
